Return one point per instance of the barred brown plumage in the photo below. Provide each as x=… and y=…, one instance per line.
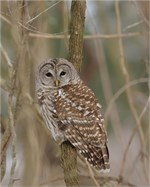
x=71, y=111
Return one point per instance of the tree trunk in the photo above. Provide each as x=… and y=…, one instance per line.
x=68, y=152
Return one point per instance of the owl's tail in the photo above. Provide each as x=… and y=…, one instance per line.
x=97, y=157
x=103, y=164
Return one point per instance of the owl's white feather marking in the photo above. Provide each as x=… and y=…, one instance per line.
x=86, y=113
x=99, y=105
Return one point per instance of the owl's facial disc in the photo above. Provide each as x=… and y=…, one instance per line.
x=56, y=73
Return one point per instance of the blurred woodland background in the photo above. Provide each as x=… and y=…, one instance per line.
x=115, y=66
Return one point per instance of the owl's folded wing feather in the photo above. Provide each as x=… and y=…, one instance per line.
x=89, y=138
x=79, y=117
x=90, y=144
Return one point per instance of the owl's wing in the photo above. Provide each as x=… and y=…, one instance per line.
x=80, y=119
x=88, y=140
x=97, y=156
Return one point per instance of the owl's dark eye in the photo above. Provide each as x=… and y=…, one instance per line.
x=62, y=73
x=48, y=74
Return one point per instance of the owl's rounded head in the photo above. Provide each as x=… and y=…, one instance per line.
x=56, y=73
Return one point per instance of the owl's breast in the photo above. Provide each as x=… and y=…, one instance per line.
x=49, y=115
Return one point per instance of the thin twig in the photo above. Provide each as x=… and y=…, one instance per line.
x=92, y=174
x=31, y=20
x=121, y=91
x=5, y=19
x=132, y=25
x=4, y=85
x=141, y=13
x=6, y=56
x=88, y=37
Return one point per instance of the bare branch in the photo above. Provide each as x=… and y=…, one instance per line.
x=13, y=132
x=6, y=56
x=5, y=19
x=5, y=128
x=121, y=91
x=89, y=37
x=132, y=25
x=38, y=15
x=131, y=137
x=127, y=80
x=140, y=12
x=92, y=174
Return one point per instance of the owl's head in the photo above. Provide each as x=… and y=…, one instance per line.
x=56, y=73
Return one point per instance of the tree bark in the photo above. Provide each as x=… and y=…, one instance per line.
x=68, y=152
x=69, y=162
x=76, y=33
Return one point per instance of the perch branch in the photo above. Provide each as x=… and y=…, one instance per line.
x=69, y=162
x=68, y=152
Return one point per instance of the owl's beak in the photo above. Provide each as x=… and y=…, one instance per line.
x=56, y=82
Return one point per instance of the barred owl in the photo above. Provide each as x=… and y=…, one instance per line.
x=71, y=111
